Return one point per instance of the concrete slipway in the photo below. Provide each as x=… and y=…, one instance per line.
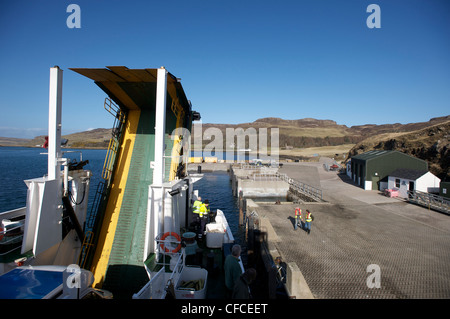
x=353, y=229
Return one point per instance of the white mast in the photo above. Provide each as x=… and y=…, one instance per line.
x=54, y=123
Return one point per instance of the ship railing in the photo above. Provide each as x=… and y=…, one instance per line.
x=168, y=247
x=11, y=230
x=162, y=281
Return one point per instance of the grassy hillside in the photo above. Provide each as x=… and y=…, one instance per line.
x=307, y=137
x=307, y=133
x=98, y=138
x=10, y=141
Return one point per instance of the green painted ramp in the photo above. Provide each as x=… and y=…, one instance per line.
x=126, y=274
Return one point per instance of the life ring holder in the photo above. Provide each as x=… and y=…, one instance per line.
x=163, y=247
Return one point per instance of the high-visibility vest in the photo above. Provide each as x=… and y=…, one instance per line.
x=308, y=217
x=203, y=210
x=298, y=213
x=196, y=207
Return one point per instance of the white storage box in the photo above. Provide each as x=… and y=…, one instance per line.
x=188, y=274
x=214, y=235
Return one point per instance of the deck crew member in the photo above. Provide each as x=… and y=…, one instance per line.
x=196, y=207
x=196, y=212
x=203, y=215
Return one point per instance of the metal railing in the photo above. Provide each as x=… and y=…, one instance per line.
x=256, y=166
x=114, y=142
x=265, y=177
x=11, y=230
x=108, y=167
x=308, y=190
x=431, y=201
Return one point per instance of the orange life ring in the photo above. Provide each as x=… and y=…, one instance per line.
x=174, y=235
x=1, y=233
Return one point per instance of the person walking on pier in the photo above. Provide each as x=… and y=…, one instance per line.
x=308, y=220
x=298, y=218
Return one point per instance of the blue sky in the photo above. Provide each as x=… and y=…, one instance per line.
x=238, y=60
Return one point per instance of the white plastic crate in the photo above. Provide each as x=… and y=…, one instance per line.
x=214, y=235
x=187, y=274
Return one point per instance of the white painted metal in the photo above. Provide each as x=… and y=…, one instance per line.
x=80, y=183
x=160, y=128
x=54, y=122
x=32, y=211
x=65, y=163
x=48, y=231
x=154, y=207
x=42, y=223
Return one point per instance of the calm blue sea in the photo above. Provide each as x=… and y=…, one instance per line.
x=216, y=187
x=20, y=163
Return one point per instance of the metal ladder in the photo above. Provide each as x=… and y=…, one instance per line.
x=114, y=142
x=103, y=186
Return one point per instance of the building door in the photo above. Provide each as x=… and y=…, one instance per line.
x=361, y=180
x=411, y=187
x=375, y=183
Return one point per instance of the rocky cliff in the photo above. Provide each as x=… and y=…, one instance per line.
x=431, y=144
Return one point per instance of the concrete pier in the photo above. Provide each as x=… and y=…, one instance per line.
x=354, y=232
x=257, y=181
x=358, y=237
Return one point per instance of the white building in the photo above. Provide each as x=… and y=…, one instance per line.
x=410, y=179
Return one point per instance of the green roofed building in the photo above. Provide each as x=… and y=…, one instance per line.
x=444, y=189
x=370, y=170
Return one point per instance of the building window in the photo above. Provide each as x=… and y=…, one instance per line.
x=397, y=182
